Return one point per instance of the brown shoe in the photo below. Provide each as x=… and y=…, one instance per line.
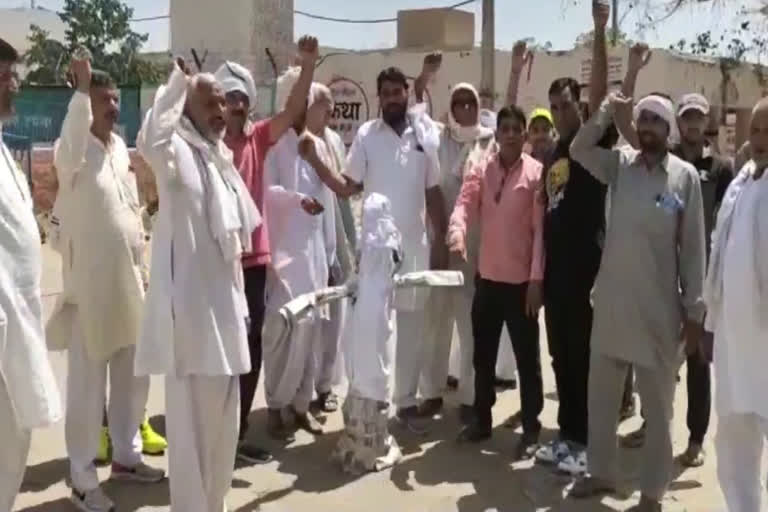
x=276, y=427
x=307, y=422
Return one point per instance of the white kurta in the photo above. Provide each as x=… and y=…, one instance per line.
x=303, y=246
x=195, y=312
x=741, y=351
x=29, y=397
x=102, y=238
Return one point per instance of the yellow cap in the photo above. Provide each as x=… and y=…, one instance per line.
x=541, y=112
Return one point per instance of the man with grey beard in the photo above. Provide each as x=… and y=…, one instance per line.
x=195, y=323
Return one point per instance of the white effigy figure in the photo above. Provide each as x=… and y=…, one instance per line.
x=369, y=345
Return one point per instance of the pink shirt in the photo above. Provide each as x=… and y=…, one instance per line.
x=249, y=153
x=510, y=213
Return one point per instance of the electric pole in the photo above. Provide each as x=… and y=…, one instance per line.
x=488, y=56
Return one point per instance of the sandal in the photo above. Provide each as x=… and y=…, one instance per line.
x=635, y=439
x=591, y=487
x=694, y=456
x=328, y=402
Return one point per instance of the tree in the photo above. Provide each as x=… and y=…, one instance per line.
x=586, y=38
x=103, y=27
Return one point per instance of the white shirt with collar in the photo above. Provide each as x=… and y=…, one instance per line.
x=398, y=168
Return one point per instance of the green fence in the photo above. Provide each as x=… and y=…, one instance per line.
x=41, y=110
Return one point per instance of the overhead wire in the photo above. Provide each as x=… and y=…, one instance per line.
x=325, y=18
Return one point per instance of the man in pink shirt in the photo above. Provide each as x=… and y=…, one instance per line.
x=504, y=196
x=250, y=142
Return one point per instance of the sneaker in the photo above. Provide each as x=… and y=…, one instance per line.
x=526, y=447
x=431, y=407
x=410, y=419
x=474, y=434
x=105, y=445
x=252, y=454
x=91, y=501
x=152, y=443
x=140, y=473
x=574, y=464
x=553, y=453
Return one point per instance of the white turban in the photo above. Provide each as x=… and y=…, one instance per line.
x=663, y=108
x=234, y=77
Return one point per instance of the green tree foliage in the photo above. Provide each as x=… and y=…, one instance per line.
x=103, y=27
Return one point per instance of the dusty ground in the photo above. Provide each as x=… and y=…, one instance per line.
x=436, y=476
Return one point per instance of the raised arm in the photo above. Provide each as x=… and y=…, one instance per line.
x=598, y=84
x=639, y=56
x=520, y=57
x=602, y=163
x=297, y=100
x=155, y=141
x=429, y=69
x=69, y=152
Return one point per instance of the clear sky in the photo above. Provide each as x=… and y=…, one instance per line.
x=556, y=21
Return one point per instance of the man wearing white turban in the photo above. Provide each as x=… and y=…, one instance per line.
x=249, y=142
x=648, y=290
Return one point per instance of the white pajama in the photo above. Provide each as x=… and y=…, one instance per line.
x=409, y=354
x=202, y=415
x=739, y=444
x=449, y=319
x=328, y=352
x=289, y=363
x=86, y=396
x=13, y=451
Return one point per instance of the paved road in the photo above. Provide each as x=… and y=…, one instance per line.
x=436, y=476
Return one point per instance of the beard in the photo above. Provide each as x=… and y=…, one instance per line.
x=394, y=113
x=650, y=143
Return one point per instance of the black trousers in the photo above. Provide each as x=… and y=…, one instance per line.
x=255, y=284
x=569, y=328
x=494, y=305
x=699, y=381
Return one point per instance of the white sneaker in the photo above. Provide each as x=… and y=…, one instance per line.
x=140, y=473
x=553, y=452
x=574, y=464
x=92, y=501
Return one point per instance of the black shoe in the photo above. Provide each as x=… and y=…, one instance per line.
x=466, y=414
x=252, y=454
x=474, y=434
x=431, y=407
x=509, y=384
x=410, y=418
x=452, y=383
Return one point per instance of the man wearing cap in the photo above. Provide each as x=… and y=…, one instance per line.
x=29, y=397
x=249, y=142
x=648, y=293
x=715, y=174
x=541, y=129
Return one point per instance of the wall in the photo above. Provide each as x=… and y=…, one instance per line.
x=667, y=72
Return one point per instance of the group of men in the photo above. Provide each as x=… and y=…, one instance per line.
x=550, y=209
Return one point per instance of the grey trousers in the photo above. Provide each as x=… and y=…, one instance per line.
x=657, y=390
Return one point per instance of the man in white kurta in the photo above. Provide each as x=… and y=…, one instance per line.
x=737, y=300
x=99, y=315
x=28, y=394
x=195, y=317
x=302, y=236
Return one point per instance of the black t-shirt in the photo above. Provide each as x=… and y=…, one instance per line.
x=574, y=225
x=716, y=174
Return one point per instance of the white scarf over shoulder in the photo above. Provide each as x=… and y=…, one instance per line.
x=232, y=214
